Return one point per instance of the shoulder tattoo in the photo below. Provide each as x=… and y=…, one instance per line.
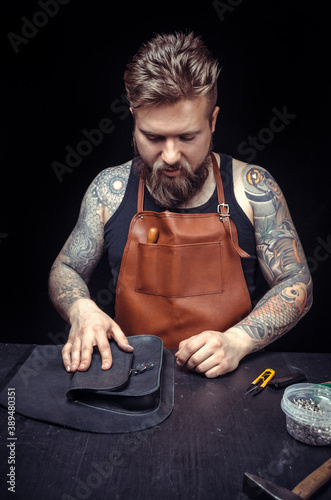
x=110, y=186
x=261, y=188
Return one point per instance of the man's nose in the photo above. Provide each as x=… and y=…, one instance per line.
x=170, y=152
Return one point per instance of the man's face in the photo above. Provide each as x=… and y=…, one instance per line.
x=172, y=145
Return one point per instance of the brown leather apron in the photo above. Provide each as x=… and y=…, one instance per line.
x=188, y=281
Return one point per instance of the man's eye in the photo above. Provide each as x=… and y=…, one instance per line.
x=186, y=139
x=154, y=138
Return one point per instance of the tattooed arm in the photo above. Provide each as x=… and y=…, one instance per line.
x=281, y=259
x=285, y=268
x=73, y=268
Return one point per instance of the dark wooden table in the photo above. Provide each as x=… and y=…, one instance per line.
x=200, y=452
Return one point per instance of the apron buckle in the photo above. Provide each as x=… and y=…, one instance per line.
x=223, y=205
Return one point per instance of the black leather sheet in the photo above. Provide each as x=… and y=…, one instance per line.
x=112, y=401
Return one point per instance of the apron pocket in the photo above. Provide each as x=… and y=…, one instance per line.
x=179, y=270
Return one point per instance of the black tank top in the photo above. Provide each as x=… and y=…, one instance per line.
x=117, y=227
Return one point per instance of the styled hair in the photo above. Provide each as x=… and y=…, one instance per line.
x=170, y=68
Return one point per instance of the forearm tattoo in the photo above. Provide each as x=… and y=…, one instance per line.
x=281, y=258
x=82, y=251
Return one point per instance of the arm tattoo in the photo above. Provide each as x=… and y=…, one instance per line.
x=281, y=258
x=82, y=251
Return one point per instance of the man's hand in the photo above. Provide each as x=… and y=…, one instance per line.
x=90, y=327
x=214, y=353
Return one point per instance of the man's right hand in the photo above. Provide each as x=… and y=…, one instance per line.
x=90, y=327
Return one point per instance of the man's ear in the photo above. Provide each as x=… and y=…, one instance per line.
x=214, y=118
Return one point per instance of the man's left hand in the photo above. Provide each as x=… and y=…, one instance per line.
x=213, y=353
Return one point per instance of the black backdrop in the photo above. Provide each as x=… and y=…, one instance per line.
x=62, y=74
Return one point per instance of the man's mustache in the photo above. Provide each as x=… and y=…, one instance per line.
x=161, y=165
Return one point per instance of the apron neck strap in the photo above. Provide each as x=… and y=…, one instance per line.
x=218, y=180
x=140, y=202
x=219, y=185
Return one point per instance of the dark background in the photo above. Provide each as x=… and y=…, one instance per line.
x=68, y=76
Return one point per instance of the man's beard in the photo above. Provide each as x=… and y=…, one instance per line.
x=172, y=192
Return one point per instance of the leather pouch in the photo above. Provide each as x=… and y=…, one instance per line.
x=132, y=384
x=136, y=393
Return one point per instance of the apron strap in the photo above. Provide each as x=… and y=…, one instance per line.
x=140, y=202
x=224, y=210
x=222, y=207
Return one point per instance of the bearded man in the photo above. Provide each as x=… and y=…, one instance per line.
x=184, y=229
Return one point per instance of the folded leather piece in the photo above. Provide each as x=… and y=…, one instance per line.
x=136, y=393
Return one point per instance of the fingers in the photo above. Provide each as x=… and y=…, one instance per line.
x=104, y=347
x=188, y=348
x=105, y=351
x=66, y=356
x=77, y=355
x=77, y=352
x=218, y=363
x=208, y=353
x=120, y=338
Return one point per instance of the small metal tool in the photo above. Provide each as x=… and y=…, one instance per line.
x=141, y=368
x=265, y=377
